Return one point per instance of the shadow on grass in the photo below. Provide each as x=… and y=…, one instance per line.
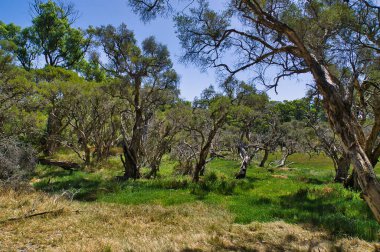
x=336, y=210
x=330, y=210
x=312, y=181
x=49, y=172
x=82, y=186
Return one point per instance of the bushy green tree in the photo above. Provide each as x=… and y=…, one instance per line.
x=144, y=79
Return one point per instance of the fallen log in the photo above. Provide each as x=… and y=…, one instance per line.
x=69, y=166
x=59, y=211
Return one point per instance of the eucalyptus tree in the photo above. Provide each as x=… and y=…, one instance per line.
x=92, y=119
x=266, y=133
x=335, y=41
x=51, y=82
x=326, y=140
x=249, y=107
x=52, y=32
x=16, y=89
x=200, y=125
x=51, y=36
x=162, y=131
x=143, y=77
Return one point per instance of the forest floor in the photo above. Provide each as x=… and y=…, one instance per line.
x=297, y=208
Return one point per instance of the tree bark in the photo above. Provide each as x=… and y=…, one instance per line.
x=244, y=163
x=201, y=162
x=48, y=142
x=265, y=158
x=352, y=181
x=131, y=152
x=87, y=155
x=129, y=162
x=344, y=124
x=342, y=168
x=285, y=154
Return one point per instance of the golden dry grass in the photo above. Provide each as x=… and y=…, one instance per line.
x=110, y=227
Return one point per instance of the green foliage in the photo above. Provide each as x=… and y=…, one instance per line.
x=61, y=44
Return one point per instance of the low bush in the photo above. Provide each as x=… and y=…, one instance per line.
x=17, y=161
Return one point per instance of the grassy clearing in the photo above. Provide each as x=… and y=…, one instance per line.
x=302, y=194
x=196, y=226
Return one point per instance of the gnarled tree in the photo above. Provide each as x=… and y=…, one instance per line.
x=141, y=76
x=334, y=41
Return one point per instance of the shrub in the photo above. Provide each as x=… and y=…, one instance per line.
x=17, y=160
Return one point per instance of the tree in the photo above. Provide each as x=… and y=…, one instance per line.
x=200, y=125
x=142, y=77
x=17, y=160
x=51, y=82
x=335, y=41
x=161, y=133
x=92, y=119
x=326, y=139
x=51, y=35
x=246, y=113
x=59, y=43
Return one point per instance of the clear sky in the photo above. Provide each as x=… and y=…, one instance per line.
x=103, y=12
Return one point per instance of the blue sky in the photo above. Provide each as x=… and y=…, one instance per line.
x=103, y=12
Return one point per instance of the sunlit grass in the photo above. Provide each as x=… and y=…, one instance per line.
x=304, y=193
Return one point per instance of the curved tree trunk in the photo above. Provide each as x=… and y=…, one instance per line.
x=200, y=165
x=206, y=148
x=285, y=155
x=346, y=126
x=337, y=107
x=265, y=158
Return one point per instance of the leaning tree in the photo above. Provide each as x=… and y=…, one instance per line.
x=337, y=42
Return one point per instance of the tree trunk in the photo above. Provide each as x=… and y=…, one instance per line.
x=206, y=148
x=265, y=158
x=70, y=166
x=352, y=181
x=131, y=152
x=87, y=155
x=342, y=168
x=48, y=142
x=129, y=162
x=201, y=162
x=153, y=171
x=345, y=124
x=285, y=154
x=244, y=164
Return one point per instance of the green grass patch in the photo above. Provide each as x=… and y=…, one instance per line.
x=304, y=193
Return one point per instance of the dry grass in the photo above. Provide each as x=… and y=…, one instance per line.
x=109, y=227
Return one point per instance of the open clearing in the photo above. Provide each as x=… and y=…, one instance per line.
x=295, y=209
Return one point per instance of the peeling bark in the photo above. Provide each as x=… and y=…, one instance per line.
x=338, y=109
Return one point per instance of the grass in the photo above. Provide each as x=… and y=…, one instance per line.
x=97, y=226
x=303, y=194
